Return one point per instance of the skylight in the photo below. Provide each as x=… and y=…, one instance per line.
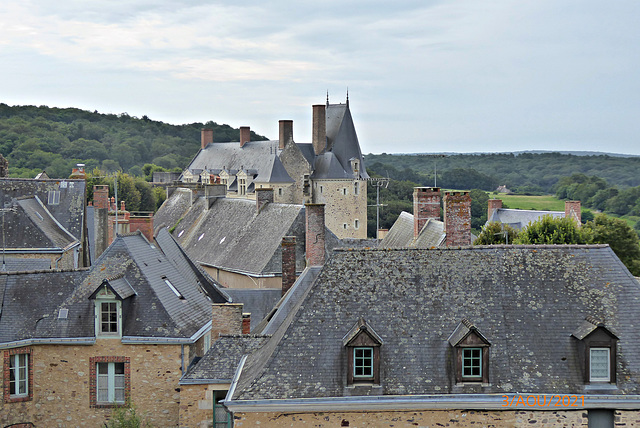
x=173, y=288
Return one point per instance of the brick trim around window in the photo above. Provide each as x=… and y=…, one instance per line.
x=6, y=376
x=93, y=392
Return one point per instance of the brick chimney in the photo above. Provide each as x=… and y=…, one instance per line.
x=101, y=196
x=78, y=172
x=319, y=131
x=288, y=263
x=457, y=218
x=314, y=234
x=206, y=137
x=494, y=205
x=263, y=197
x=572, y=210
x=245, y=135
x=246, y=323
x=426, y=205
x=142, y=222
x=286, y=132
x=226, y=318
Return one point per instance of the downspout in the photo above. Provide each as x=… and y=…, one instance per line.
x=58, y=259
x=182, y=359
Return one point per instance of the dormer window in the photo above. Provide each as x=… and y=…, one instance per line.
x=108, y=299
x=471, y=353
x=362, y=345
x=598, y=349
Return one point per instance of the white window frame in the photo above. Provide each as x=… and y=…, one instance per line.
x=470, y=359
x=593, y=378
x=105, y=296
x=20, y=373
x=110, y=379
x=53, y=197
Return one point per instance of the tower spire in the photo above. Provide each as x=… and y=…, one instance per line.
x=327, y=98
x=347, y=96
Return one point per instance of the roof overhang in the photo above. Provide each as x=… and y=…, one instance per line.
x=508, y=402
x=49, y=341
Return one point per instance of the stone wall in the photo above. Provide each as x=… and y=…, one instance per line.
x=61, y=385
x=196, y=404
x=429, y=418
x=343, y=207
x=237, y=280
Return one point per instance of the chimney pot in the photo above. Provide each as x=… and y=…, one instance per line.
x=246, y=323
x=457, y=218
x=286, y=132
x=206, y=137
x=245, y=135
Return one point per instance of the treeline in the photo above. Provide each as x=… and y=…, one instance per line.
x=55, y=139
x=532, y=173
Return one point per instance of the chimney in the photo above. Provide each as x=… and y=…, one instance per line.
x=494, y=205
x=286, y=132
x=206, y=137
x=101, y=217
x=314, y=234
x=78, y=172
x=319, y=132
x=457, y=218
x=263, y=197
x=142, y=222
x=572, y=211
x=426, y=205
x=226, y=318
x=245, y=135
x=246, y=323
x=288, y=263
x=101, y=196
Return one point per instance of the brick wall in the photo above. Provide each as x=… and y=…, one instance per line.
x=426, y=205
x=493, y=206
x=288, y=263
x=62, y=384
x=143, y=223
x=314, y=234
x=572, y=211
x=457, y=218
x=206, y=137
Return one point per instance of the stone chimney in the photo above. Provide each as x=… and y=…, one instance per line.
x=319, y=131
x=314, y=234
x=286, y=132
x=426, y=205
x=226, y=318
x=288, y=263
x=494, y=205
x=245, y=135
x=246, y=323
x=101, y=217
x=457, y=218
x=573, y=211
x=206, y=137
x=263, y=197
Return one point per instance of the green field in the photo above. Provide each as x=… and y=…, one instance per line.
x=524, y=202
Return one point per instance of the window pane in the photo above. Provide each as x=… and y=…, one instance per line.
x=18, y=374
x=600, y=364
x=119, y=367
x=472, y=362
x=363, y=362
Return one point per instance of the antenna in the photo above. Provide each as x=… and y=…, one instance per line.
x=379, y=182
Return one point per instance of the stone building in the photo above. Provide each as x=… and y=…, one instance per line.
x=330, y=170
x=522, y=336
x=77, y=343
x=519, y=219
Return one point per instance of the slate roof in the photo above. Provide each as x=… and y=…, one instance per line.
x=24, y=265
x=132, y=267
x=219, y=364
x=258, y=302
x=518, y=219
x=401, y=234
x=525, y=300
x=69, y=212
x=342, y=139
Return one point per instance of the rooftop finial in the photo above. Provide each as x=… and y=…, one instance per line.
x=347, y=96
x=327, y=98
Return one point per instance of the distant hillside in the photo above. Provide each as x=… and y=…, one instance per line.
x=55, y=139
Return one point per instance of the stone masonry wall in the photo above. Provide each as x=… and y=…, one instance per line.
x=343, y=207
x=429, y=418
x=196, y=404
x=457, y=218
x=61, y=385
x=426, y=205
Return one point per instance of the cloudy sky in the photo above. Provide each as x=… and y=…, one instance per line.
x=423, y=76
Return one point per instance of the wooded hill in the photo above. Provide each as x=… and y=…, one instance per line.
x=55, y=139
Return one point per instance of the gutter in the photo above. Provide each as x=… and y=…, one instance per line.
x=205, y=381
x=52, y=341
x=431, y=402
x=128, y=340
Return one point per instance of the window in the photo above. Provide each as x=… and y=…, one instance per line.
x=280, y=191
x=363, y=362
x=356, y=224
x=471, y=353
x=344, y=191
x=471, y=362
x=221, y=416
x=109, y=317
x=173, y=288
x=356, y=188
x=53, y=197
x=18, y=368
x=362, y=345
x=599, y=370
x=110, y=381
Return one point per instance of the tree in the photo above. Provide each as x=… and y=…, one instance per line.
x=622, y=239
x=550, y=230
x=479, y=205
x=496, y=233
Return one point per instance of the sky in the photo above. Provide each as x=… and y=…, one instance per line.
x=422, y=76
